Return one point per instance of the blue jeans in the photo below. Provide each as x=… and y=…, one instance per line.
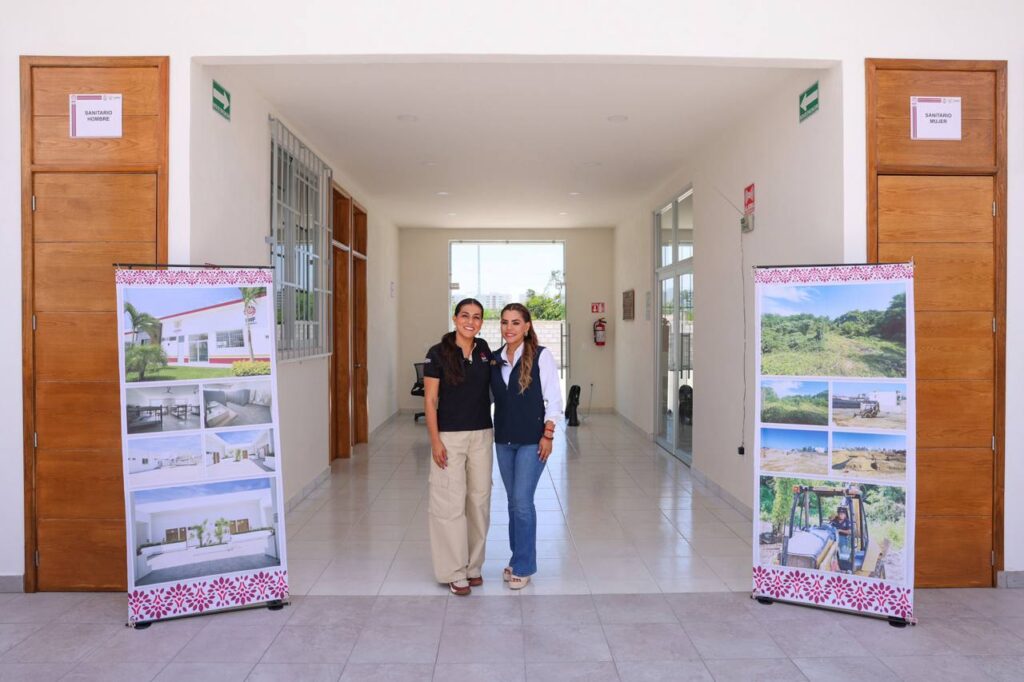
x=520, y=468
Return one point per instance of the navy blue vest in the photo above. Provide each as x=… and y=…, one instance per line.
x=518, y=418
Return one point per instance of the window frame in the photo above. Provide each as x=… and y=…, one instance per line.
x=300, y=247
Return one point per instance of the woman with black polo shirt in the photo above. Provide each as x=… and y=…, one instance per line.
x=456, y=384
x=527, y=404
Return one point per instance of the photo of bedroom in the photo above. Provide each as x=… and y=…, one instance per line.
x=232, y=454
x=158, y=461
x=237, y=404
x=157, y=409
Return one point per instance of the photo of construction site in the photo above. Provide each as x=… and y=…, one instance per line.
x=832, y=526
x=794, y=451
x=869, y=455
x=869, y=405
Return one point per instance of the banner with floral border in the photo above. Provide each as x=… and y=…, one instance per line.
x=835, y=437
x=201, y=448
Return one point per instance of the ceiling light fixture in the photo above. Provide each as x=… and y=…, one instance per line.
x=574, y=194
x=452, y=215
x=563, y=213
x=429, y=163
x=618, y=118
x=441, y=194
x=408, y=118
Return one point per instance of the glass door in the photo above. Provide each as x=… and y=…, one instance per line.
x=668, y=368
x=673, y=226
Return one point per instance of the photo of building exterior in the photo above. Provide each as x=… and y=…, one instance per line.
x=198, y=530
x=159, y=461
x=231, y=454
x=201, y=333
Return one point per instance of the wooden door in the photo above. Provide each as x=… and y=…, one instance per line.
x=341, y=360
x=86, y=204
x=942, y=204
x=360, y=371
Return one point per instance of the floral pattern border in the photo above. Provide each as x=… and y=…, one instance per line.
x=186, y=599
x=195, y=277
x=837, y=591
x=834, y=273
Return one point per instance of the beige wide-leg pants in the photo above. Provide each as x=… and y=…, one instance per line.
x=460, y=505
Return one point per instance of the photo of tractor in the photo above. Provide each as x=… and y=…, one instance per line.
x=841, y=543
x=833, y=526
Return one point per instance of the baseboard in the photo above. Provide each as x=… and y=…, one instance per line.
x=298, y=497
x=12, y=583
x=733, y=501
x=1010, y=579
x=633, y=425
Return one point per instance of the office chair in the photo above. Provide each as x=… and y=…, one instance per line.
x=417, y=388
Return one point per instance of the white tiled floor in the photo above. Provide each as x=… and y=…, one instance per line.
x=616, y=514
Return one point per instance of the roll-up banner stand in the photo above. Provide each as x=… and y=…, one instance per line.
x=199, y=438
x=835, y=472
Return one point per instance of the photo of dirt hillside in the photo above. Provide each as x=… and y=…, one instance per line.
x=853, y=330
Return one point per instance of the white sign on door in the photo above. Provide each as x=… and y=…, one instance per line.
x=95, y=115
x=935, y=118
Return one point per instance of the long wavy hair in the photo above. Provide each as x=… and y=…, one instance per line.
x=452, y=359
x=529, y=346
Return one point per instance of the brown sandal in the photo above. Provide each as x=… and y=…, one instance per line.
x=459, y=591
x=476, y=582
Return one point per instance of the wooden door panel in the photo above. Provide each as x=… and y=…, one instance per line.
x=976, y=149
x=142, y=143
x=954, y=345
x=977, y=90
x=82, y=554
x=935, y=209
x=76, y=346
x=63, y=476
x=955, y=414
x=360, y=371
x=72, y=415
x=139, y=88
x=947, y=276
x=952, y=481
x=108, y=207
x=953, y=551
x=340, y=361
x=902, y=152
x=79, y=276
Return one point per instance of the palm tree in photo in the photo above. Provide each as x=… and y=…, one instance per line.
x=249, y=295
x=142, y=322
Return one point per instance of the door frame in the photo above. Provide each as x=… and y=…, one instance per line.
x=998, y=173
x=28, y=170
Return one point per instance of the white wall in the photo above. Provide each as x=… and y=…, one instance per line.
x=365, y=29
x=423, y=304
x=798, y=172
x=230, y=191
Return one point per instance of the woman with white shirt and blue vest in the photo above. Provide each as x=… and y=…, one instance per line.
x=527, y=405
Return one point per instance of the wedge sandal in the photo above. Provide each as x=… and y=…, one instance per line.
x=518, y=582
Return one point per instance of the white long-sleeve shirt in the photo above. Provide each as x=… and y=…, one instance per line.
x=550, y=386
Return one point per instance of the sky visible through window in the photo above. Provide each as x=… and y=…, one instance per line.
x=496, y=272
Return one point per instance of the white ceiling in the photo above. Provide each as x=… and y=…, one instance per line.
x=508, y=142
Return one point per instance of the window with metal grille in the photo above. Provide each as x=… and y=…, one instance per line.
x=231, y=339
x=300, y=240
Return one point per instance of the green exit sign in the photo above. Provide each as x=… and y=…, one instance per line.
x=809, y=101
x=221, y=100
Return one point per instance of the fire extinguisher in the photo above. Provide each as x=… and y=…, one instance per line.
x=599, y=331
